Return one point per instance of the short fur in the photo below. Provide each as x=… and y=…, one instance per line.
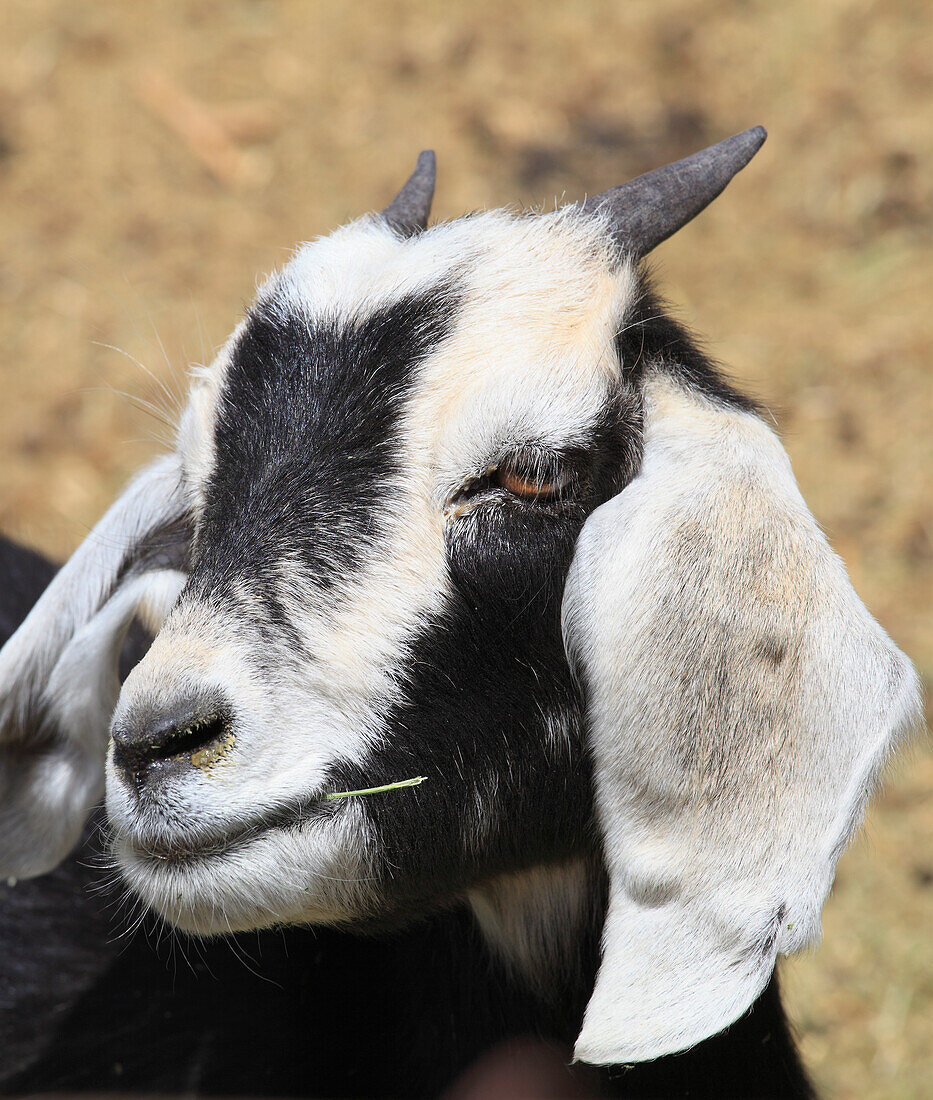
x=619, y=686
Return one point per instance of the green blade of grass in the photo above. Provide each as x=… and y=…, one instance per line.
x=378, y=790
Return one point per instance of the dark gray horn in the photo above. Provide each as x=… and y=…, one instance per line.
x=408, y=212
x=648, y=209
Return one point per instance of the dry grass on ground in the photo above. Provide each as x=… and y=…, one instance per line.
x=154, y=157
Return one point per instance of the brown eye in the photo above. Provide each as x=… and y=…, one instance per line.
x=526, y=484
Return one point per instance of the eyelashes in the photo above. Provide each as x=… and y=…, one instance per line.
x=537, y=482
x=530, y=474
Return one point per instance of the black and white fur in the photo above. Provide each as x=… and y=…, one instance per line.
x=647, y=705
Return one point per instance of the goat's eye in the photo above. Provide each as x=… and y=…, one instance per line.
x=533, y=474
x=524, y=480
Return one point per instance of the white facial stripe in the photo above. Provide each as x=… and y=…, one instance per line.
x=526, y=377
x=509, y=371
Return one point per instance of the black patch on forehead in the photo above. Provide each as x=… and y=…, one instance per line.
x=306, y=438
x=652, y=338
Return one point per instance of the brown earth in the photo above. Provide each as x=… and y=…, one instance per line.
x=154, y=158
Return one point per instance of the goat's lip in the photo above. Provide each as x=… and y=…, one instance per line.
x=176, y=850
x=180, y=849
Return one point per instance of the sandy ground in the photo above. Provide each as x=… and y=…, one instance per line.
x=155, y=158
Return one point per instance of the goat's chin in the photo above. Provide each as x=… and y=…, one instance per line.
x=283, y=876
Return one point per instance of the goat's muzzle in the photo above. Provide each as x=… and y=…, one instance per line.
x=193, y=733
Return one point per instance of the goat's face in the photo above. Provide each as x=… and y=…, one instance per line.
x=388, y=468
x=428, y=467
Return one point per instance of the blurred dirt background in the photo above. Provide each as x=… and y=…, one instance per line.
x=155, y=158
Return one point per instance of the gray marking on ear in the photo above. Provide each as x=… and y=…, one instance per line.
x=741, y=701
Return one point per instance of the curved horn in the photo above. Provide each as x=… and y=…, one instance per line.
x=408, y=211
x=647, y=210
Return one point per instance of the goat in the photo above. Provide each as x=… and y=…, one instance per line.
x=459, y=504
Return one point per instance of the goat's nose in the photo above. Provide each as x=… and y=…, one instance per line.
x=197, y=731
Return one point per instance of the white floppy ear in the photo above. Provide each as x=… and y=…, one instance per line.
x=740, y=701
x=58, y=672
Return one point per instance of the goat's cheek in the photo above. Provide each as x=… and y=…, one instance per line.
x=503, y=557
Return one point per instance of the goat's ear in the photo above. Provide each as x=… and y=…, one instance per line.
x=58, y=672
x=740, y=703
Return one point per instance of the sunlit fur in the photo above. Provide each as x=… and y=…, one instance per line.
x=678, y=739
x=529, y=356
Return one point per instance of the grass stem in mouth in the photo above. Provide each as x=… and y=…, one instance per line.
x=378, y=790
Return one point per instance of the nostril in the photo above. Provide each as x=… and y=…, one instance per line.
x=191, y=737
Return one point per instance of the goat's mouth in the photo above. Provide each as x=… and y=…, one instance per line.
x=177, y=850
x=170, y=848
x=250, y=873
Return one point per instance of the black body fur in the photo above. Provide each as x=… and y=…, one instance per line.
x=298, y=1012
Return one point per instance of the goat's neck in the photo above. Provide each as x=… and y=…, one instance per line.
x=545, y=924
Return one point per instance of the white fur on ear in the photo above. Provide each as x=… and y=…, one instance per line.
x=151, y=502
x=741, y=701
x=49, y=787
x=58, y=672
